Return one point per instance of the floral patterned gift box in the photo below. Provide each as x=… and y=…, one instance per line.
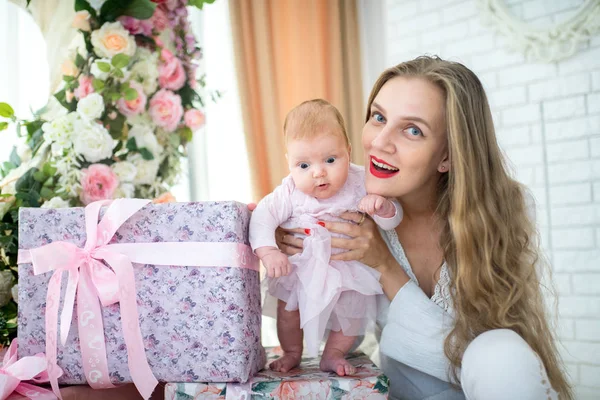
x=305, y=383
x=198, y=324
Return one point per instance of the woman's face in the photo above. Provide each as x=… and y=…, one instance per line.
x=405, y=139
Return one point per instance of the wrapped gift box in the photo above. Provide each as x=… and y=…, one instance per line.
x=199, y=324
x=306, y=382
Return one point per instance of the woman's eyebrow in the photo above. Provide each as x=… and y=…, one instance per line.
x=407, y=117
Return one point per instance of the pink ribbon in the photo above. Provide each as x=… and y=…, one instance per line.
x=102, y=271
x=13, y=372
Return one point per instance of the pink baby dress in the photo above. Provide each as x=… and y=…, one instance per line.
x=330, y=294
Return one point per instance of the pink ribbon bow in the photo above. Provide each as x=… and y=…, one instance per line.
x=102, y=271
x=13, y=372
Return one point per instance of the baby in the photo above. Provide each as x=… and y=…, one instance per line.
x=315, y=293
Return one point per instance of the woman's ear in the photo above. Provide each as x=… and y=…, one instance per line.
x=444, y=165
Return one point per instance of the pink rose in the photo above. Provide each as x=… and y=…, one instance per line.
x=98, y=182
x=85, y=87
x=136, y=106
x=194, y=119
x=302, y=390
x=136, y=26
x=166, y=110
x=159, y=19
x=171, y=74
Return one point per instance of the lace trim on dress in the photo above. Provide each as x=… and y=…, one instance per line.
x=441, y=292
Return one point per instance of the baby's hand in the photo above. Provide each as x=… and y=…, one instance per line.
x=276, y=263
x=374, y=204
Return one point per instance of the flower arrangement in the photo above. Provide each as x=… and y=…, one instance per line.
x=118, y=127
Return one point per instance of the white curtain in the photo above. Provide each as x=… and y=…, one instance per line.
x=24, y=72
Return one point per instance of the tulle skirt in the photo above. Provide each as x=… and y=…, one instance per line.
x=330, y=294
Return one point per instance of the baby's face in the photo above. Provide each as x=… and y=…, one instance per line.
x=319, y=165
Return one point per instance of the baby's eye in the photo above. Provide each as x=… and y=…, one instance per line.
x=330, y=160
x=303, y=165
x=414, y=131
x=377, y=117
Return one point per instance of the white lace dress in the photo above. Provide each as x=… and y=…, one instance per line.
x=413, y=327
x=441, y=293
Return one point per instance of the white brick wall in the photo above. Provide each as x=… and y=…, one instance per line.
x=547, y=118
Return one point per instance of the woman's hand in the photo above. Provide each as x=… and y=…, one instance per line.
x=287, y=242
x=365, y=243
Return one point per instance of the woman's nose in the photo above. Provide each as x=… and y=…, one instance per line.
x=382, y=141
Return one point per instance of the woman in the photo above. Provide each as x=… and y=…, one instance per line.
x=463, y=301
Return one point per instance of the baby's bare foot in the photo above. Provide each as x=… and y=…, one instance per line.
x=334, y=361
x=288, y=361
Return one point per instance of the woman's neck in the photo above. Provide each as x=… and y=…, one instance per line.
x=419, y=206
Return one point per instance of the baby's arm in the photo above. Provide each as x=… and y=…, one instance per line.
x=271, y=212
x=386, y=213
x=275, y=261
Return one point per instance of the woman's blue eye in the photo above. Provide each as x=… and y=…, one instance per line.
x=303, y=165
x=330, y=160
x=414, y=131
x=378, y=117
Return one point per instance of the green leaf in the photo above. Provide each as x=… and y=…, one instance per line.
x=118, y=73
x=265, y=387
x=47, y=193
x=131, y=144
x=39, y=176
x=79, y=61
x=49, y=182
x=140, y=9
x=199, y=3
x=146, y=154
x=103, y=66
x=6, y=110
x=26, y=181
x=120, y=61
x=115, y=126
x=97, y=84
x=62, y=99
x=186, y=134
x=337, y=393
x=48, y=169
x=3, y=125
x=14, y=157
x=36, y=139
x=68, y=78
x=118, y=147
x=114, y=96
x=131, y=94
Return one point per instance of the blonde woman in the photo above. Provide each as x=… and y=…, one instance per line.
x=463, y=303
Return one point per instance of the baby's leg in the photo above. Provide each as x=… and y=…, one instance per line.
x=333, y=358
x=290, y=338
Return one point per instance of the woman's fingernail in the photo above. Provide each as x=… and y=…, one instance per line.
x=307, y=231
x=321, y=223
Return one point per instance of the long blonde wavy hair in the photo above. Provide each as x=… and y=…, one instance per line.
x=490, y=244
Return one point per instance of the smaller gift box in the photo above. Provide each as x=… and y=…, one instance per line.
x=306, y=382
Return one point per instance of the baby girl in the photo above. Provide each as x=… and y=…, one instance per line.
x=316, y=294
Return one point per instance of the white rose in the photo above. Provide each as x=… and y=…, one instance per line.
x=95, y=70
x=141, y=119
x=125, y=190
x=112, y=39
x=93, y=141
x=91, y=106
x=145, y=70
x=146, y=170
x=144, y=137
x=56, y=202
x=125, y=170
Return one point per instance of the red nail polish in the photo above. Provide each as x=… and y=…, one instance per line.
x=321, y=223
x=307, y=231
